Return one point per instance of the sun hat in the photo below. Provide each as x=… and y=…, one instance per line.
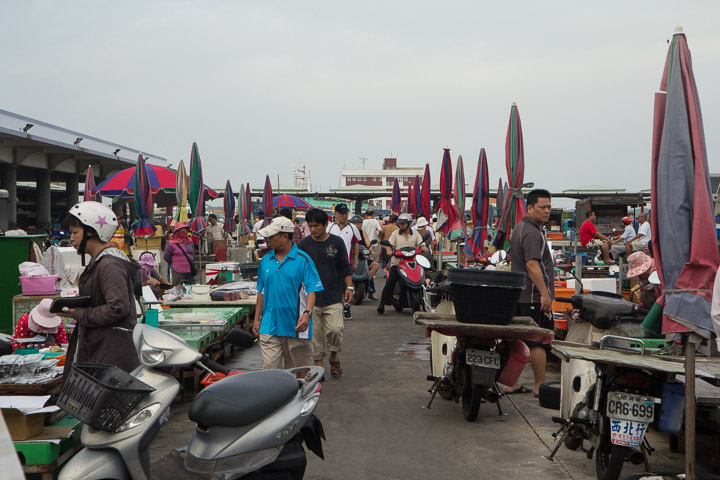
x=278, y=225
x=638, y=264
x=40, y=318
x=148, y=258
x=421, y=222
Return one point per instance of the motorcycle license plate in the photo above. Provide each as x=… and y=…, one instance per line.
x=482, y=358
x=626, y=406
x=627, y=432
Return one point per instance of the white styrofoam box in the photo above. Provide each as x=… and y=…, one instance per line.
x=71, y=256
x=596, y=284
x=212, y=269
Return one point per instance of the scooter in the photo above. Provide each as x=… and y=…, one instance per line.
x=250, y=425
x=361, y=277
x=409, y=287
x=617, y=408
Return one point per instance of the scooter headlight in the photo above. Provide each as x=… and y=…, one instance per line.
x=150, y=355
x=403, y=273
x=309, y=405
x=139, y=418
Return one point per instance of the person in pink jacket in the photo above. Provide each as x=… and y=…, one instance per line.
x=178, y=254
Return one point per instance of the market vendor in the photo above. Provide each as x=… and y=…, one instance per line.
x=104, y=329
x=149, y=274
x=40, y=321
x=641, y=265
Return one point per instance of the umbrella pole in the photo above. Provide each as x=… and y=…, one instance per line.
x=689, y=406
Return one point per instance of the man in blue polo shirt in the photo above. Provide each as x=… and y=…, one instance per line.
x=286, y=285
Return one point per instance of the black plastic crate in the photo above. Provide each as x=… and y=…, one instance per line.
x=249, y=270
x=101, y=395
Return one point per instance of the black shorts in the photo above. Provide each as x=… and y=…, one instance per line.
x=543, y=320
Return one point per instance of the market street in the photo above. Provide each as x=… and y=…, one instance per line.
x=377, y=426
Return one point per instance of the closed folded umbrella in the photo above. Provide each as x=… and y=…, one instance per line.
x=395, y=203
x=460, y=186
x=89, y=185
x=425, y=194
x=475, y=243
x=197, y=201
x=181, y=194
x=267, y=202
x=411, y=199
x=142, y=198
x=229, y=208
x=447, y=213
x=243, y=210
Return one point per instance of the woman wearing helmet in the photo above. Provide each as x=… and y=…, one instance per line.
x=617, y=248
x=108, y=280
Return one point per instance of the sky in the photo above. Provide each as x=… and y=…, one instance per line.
x=267, y=86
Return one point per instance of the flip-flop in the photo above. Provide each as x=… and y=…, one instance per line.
x=335, y=369
x=520, y=389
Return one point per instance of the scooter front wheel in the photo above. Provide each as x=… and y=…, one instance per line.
x=415, y=300
x=471, y=402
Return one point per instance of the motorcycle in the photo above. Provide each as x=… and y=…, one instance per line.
x=411, y=269
x=250, y=425
x=618, y=406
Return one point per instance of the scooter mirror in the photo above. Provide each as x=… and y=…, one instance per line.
x=240, y=338
x=426, y=236
x=422, y=261
x=385, y=243
x=373, y=242
x=498, y=257
x=654, y=278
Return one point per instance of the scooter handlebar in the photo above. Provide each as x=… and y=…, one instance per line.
x=563, y=299
x=215, y=367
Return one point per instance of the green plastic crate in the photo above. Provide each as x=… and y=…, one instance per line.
x=45, y=453
x=650, y=343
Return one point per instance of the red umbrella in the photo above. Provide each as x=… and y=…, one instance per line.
x=410, y=199
x=683, y=229
x=447, y=213
x=290, y=201
x=425, y=194
x=89, y=185
x=160, y=179
x=395, y=206
x=267, y=205
x=417, y=193
x=475, y=243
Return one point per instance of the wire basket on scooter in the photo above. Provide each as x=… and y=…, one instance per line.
x=101, y=395
x=484, y=296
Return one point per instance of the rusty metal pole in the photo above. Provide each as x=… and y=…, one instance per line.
x=689, y=407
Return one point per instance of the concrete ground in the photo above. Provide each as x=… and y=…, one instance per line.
x=378, y=427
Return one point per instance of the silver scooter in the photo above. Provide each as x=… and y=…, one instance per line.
x=250, y=425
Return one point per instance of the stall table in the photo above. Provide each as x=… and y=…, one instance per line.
x=46, y=457
x=247, y=306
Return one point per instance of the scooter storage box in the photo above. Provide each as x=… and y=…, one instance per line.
x=485, y=296
x=101, y=395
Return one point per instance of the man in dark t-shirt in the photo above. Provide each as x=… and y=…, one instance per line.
x=530, y=254
x=330, y=256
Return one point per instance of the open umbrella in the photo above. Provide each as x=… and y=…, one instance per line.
x=447, y=213
x=89, y=185
x=143, y=201
x=197, y=201
x=425, y=194
x=460, y=186
x=475, y=243
x=267, y=203
x=395, y=205
x=161, y=180
x=514, y=205
x=181, y=194
x=290, y=201
x=229, y=207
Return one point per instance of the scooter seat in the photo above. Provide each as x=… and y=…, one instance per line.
x=243, y=399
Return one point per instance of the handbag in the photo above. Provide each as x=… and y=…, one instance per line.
x=193, y=268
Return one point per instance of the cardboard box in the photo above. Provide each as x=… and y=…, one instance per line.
x=25, y=415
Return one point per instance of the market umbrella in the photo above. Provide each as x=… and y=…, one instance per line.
x=447, y=213
x=499, y=199
x=242, y=209
x=425, y=194
x=417, y=192
x=229, y=207
x=514, y=203
x=197, y=202
x=142, y=198
x=290, y=201
x=248, y=196
x=411, y=199
x=267, y=203
x=395, y=206
x=161, y=180
x=475, y=243
x=89, y=185
x=683, y=229
x=460, y=186
x=181, y=194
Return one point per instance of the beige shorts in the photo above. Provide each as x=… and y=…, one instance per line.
x=295, y=352
x=637, y=246
x=328, y=328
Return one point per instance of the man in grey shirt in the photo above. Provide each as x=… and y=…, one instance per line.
x=530, y=254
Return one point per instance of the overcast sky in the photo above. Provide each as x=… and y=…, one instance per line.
x=267, y=86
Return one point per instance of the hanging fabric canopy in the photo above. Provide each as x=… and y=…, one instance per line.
x=683, y=229
x=475, y=243
x=142, y=198
x=395, y=202
x=197, y=201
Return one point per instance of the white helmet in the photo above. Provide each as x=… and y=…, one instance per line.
x=98, y=217
x=405, y=217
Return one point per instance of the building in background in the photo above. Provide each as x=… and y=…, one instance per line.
x=381, y=180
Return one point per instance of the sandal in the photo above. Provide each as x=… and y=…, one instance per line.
x=520, y=389
x=335, y=369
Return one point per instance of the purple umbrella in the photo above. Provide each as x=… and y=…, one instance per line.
x=395, y=206
x=481, y=198
x=425, y=194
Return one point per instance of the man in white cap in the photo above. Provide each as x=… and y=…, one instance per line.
x=286, y=285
